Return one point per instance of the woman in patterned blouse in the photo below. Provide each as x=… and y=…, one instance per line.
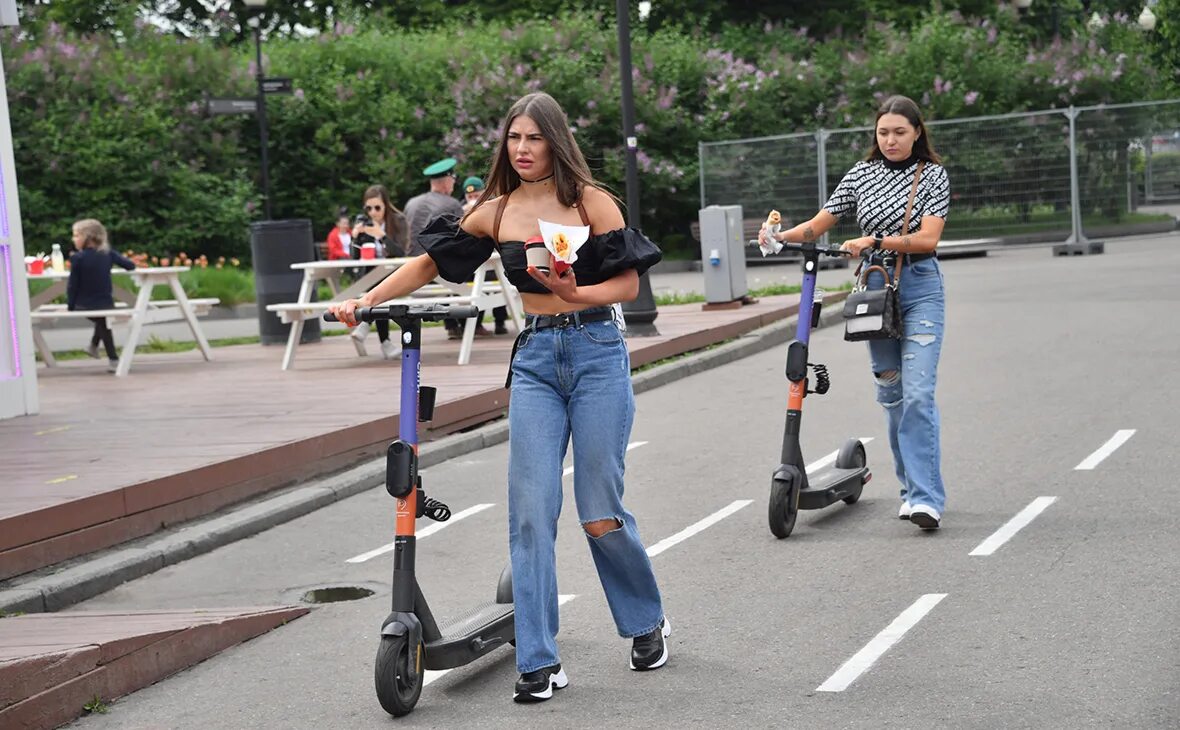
x=877, y=190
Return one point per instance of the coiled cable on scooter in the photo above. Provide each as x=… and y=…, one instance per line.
x=435, y=509
x=432, y=508
x=823, y=381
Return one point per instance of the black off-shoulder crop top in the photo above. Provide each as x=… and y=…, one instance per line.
x=457, y=254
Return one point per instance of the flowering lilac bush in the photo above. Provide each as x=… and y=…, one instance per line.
x=116, y=131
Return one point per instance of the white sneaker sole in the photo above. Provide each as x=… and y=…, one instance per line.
x=556, y=681
x=663, y=657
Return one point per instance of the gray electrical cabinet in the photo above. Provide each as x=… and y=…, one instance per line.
x=723, y=254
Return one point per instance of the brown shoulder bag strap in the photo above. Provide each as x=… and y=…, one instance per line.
x=905, y=223
x=499, y=214
x=582, y=210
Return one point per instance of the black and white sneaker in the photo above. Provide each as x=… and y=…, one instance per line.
x=538, y=686
x=925, y=517
x=650, y=651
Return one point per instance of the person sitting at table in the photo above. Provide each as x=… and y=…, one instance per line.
x=89, y=285
x=384, y=225
x=340, y=238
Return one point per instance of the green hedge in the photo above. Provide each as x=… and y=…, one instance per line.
x=116, y=130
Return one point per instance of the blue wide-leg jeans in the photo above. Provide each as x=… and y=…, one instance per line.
x=572, y=382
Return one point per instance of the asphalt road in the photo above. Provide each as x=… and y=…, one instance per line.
x=858, y=620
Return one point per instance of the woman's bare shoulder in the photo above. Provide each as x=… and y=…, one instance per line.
x=480, y=221
x=602, y=209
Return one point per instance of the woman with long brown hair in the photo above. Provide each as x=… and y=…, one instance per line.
x=570, y=377
x=383, y=225
x=901, y=164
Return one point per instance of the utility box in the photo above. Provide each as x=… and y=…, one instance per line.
x=723, y=254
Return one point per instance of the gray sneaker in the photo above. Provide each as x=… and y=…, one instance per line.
x=112, y=365
x=92, y=350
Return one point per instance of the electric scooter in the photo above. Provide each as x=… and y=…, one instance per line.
x=791, y=488
x=411, y=639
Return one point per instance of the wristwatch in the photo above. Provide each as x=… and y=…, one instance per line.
x=878, y=239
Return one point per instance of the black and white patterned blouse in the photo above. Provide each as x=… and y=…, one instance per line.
x=878, y=191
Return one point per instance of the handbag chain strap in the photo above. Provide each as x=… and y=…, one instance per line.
x=905, y=228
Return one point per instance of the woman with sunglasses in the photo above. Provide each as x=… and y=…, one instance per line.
x=384, y=225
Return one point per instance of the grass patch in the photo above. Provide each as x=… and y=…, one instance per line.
x=96, y=706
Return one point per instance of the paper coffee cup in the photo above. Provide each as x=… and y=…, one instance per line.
x=536, y=255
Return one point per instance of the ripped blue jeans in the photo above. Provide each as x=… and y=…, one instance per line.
x=906, y=372
x=572, y=382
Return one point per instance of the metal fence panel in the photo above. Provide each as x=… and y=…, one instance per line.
x=1010, y=174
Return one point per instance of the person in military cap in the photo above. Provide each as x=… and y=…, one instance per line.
x=472, y=189
x=421, y=209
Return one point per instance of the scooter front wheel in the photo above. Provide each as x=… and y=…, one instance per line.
x=398, y=675
x=784, y=506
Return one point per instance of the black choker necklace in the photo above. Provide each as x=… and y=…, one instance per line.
x=540, y=179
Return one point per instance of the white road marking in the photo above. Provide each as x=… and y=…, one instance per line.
x=1120, y=437
x=633, y=445
x=872, y=651
x=693, y=529
x=433, y=674
x=831, y=458
x=1013, y=526
x=424, y=532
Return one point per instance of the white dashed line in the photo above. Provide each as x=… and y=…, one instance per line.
x=875, y=649
x=1013, y=526
x=424, y=532
x=1093, y=460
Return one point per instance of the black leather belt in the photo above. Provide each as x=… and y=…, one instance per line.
x=568, y=319
x=911, y=257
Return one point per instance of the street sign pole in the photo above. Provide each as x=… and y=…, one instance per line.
x=262, y=141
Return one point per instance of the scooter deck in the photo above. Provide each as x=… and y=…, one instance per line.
x=830, y=485
x=471, y=635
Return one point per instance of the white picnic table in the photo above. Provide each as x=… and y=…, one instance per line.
x=479, y=293
x=138, y=309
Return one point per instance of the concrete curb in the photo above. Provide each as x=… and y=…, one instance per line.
x=94, y=576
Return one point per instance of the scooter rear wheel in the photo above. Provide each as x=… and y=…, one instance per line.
x=784, y=507
x=398, y=675
x=852, y=456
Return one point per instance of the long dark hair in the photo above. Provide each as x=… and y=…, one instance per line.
x=397, y=229
x=571, y=174
x=906, y=107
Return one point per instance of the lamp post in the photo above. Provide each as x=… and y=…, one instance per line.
x=257, y=6
x=641, y=313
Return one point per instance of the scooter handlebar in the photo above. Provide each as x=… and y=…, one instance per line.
x=828, y=250
x=422, y=312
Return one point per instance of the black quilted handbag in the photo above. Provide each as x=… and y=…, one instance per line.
x=875, y=314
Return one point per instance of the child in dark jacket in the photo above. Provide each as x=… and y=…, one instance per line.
x=90, y=282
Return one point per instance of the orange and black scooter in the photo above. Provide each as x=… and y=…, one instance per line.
x=411, y=640
x=791, y=487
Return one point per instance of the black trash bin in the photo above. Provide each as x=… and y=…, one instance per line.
x=276, y=245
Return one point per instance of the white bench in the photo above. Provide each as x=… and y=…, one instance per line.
x=479, y=293
x=143, y=311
